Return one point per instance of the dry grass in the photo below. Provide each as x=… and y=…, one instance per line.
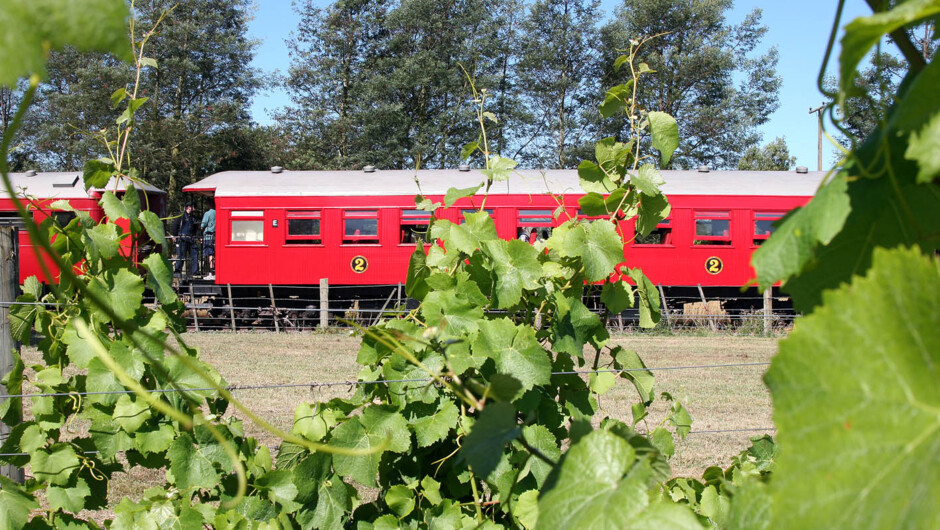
x=718, y=398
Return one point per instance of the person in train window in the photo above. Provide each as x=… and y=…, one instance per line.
x=523, y=236
x=208, y=239
x=184, y=234
x=533, y=236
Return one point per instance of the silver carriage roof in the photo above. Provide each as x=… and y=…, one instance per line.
x=65, y=185
x=525, y=182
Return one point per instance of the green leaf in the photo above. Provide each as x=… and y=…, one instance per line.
x=160, y=278
x=878, y=397
x=154, y=226
x=517, y=267
x=469, y=236
x=15, y=504
x=516, y=351
x=599, y=484
x=103, y=241
x=130, y=413
x=796, y=236
x=11, y=409
x=681, y=419
x=379, y=429
x=652, y=210
x=864, y=32
x=574, y=325
x=22, y=317
x=715, y=506
x=416, y=282
x=280, y=488
x=665, y=133
x=500, y=168
x=453, y=314
x=648, y=180
x=593, y=179
x=310, y=425
x=148, y=61
x=334, y=501
x=121, y=291
x=400, y=500
x=662, y=440
x=924, y=147
x=504, y=387
x=601, y=382
x=431, y=489
x=599, y=245
x=97, y=173
x=648, y=296
x=617, y=296
x=189, y=465
x=617, y=97
x=468, y=150
x=115, y=208
x=55, y=465
x=33, y=287
x=155, y=441
x=635, y=371
x=483, y=447
x=93, y=25
x=454, y=194
x=435, y=427
x=117, y=97
x=526, y=509
x=71, y=498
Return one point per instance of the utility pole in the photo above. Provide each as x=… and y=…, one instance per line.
x=818, y=111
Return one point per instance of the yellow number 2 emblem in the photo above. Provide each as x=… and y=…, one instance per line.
x=359, y=264
x=713, y=265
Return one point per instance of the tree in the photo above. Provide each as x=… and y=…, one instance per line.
x=554, y=69
x=705, y=73
x=775, y=156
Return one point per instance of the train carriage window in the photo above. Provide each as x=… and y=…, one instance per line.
x=712, y=228
x=303, y=228
x=247, y=226
x=63, y=218
x=662, y=235
x=764, y=225
x=538, y=221
x=414, y=227
x=361, y=227
x=464, y=212
x=585, y=218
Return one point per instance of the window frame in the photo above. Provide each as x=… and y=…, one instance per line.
x=303, y=239
x=408, y=218
x=758, y=239
x=235, y=216
x=665, y=224
x=712, y=240
x=543, y=221
x=460, y=213
x=361, y=239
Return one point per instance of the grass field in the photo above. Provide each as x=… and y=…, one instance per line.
x=719, y=399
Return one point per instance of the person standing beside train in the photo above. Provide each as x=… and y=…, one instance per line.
x=184, y=234
x=208, y=239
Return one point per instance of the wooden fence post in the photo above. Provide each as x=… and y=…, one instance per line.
x=708, y=313
x=324, y=303
x=9, y=279
x=277, y=327
x=665, y=311
x=192, y=304
x=231, y=306
x=768, y=310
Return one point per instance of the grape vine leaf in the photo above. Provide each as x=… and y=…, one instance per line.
x=517, y=267
x=70, y=498
x=635, y=371
x=593, y=179
x=56, y=464
x=90, y=25
x=121, y=291
x=189, y=466
x=434, y=427
x=648, y=180
x=454, y=194
x=515, y=350
x=378, y=430
x=665, y=133
x=858, y=432
x=483, y=447
x=15, y=504
x=599, y=483
x=599, y=245
x=160, y=279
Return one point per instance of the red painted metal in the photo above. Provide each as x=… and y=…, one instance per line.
x=272, y=260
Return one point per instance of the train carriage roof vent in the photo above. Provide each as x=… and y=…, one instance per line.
x=66, y=183
x=802, y=169
x=31, y=173
x=463, y=167
x=703, y=169
x=276, y=169
x=369, y=169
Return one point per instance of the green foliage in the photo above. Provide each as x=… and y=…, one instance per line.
x=857, y=431
x=775, y=156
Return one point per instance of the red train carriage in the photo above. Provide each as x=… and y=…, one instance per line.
x=359, y=228
x=40, y=192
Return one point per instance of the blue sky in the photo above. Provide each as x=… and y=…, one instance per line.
x=799, y=29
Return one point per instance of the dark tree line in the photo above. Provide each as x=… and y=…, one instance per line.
x=387, y=83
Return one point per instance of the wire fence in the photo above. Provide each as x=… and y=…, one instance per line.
x=352, y=383
x=213, y=307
